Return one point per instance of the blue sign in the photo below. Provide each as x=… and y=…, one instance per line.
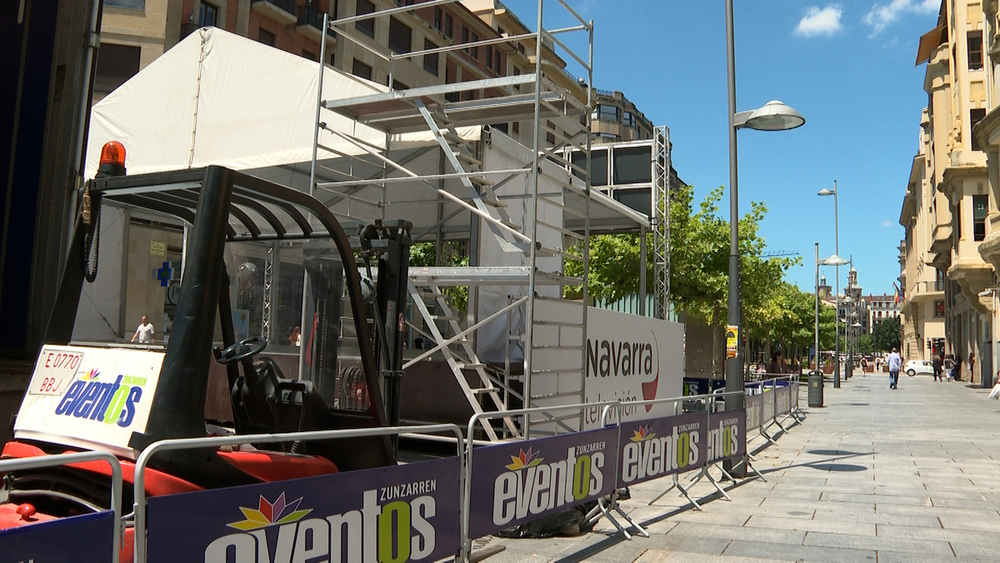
x=165, y=274
x=398, y=513
x=77, y=538
x=521, y=481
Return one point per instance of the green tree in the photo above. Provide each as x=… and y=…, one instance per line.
x=866, y=344
x=699, y=264
x=886, y=334
x=454, y=253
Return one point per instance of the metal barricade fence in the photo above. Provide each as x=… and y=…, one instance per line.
x=577, y=475
x=8, y=465
x=142, y=462
x=769, y=399
x=486, y=464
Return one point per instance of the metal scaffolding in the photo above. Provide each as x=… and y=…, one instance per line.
x=525, y=209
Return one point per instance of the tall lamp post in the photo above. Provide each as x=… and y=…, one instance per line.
x=831, y=261
x=773, y=116
x=836, y=252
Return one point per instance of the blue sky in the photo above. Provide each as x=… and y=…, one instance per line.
x=848, y=67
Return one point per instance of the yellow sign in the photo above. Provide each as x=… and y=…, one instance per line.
x=732, y=341
x=157, y=248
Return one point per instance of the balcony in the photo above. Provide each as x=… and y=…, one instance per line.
x=282, y=11
x=310, y=24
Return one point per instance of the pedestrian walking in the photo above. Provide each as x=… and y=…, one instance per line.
x=938, y=364
x=894, y=362
x=949, y=367
x=864, y=367
x=958, y=368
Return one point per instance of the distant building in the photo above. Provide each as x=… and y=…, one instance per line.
x=615, y=118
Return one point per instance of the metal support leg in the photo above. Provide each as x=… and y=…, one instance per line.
x=680, y=488
x=605, y=509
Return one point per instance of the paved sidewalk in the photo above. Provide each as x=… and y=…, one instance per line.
x=877, y=475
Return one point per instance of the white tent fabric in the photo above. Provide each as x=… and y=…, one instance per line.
x=220, y=98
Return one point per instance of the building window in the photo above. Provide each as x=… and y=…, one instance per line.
x=333, y=60
x=980, y=208
x=975, y=42
x=939, y=308
x=431, y=59
x=397, y=85
x=496, y=62
x=437, y=19
x=207, y=14
x=307, y=54
x=365, y=26
x=133, y=4
x=606, y=112
x=465, y=38
x=362, y=70
x=489, y=57
x=628, y=118
x=975, y=116
x=266, y=37
x=400, y=36
x=475, y=50
x=115, y=65
x=449, y=78
x=447, y=26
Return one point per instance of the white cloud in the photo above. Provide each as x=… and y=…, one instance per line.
x=888, y=223
x=817, y=21
x=882, y=15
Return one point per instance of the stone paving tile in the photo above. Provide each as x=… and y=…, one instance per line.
x=927, y=521
x=930, y=534
x=923, y=547
x=833, y=526
x=687, y=549
x=690, y=529
x=770, y=551
x=657, y=555
x=893, y=557
x=983, y=550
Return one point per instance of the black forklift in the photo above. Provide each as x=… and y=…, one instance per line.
x=363, y=276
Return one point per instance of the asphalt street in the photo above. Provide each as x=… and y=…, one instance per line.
x=875, y=475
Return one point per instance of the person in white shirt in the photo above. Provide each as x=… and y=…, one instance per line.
x=145, y=332
x=895, y=363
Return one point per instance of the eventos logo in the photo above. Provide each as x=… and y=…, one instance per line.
x=384, y=530
x=111, y=402
x=647, y=455
x=531, y=487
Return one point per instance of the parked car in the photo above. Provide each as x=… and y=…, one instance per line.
x=913, y=367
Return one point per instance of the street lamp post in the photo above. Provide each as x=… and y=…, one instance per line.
x=773, y=116
x=831, y=261
x=836, y=252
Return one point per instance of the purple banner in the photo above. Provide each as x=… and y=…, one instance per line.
x=653, y=448
x=518, y=482
x=65, y=539
x=727, y=435
x=399, y=513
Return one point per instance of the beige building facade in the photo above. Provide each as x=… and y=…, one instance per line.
x=947, y=202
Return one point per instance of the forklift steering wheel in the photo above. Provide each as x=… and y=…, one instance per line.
x=241, y=350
